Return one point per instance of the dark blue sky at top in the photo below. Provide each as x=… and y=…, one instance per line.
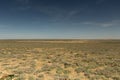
x=82, y=19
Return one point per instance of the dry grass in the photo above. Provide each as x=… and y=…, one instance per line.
x=59, y=60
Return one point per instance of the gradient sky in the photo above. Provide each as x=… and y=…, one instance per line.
x=60, y=19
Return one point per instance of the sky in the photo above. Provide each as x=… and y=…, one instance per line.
x=59, y=19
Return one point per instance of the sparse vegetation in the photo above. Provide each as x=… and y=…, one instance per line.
x=62, y=60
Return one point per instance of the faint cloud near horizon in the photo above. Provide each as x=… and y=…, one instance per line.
x=104, y=24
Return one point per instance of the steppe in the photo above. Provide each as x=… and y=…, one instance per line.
x=59, y=59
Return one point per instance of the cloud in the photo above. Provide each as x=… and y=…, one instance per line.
x=98, y=24
x=57, y=13
x=104, y=24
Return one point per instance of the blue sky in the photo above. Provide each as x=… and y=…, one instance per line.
x=59, y=19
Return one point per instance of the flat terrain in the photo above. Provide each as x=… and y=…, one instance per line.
x=59, y=59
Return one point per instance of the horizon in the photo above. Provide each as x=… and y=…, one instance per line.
x=58, y=39
x=59, y=19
